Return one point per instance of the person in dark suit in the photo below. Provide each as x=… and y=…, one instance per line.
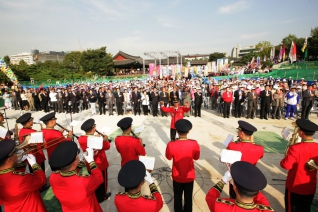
x=154, y=102
x=44, y=101
x=101, y=101
x=266, y=101
x=119, y=102
x=308, y=98
x=66, y=99
x=197, y=102
x=174, y=95
x=239, y=97
x=73, y=98
x=135, y=98
x=164, y=97
x=252, y=103
x=19, y=99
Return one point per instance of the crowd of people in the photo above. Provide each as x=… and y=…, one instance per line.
x=266, y=97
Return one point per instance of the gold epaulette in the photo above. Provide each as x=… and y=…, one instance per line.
x=149, y=197
x=224, y=201
x=122, y=193
x=20, y=173
x=264, y=207
x=84, y=175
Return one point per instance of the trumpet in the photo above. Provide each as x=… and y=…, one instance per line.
x=66, y=130
x=103, y=135
x=134, y=135
x=311, y=165
x=294, y=139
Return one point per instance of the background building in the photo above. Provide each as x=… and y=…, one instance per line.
x=36, y=56
x=238, y=51
x=27, y=57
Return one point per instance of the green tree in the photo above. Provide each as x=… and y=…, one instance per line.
x=313, y=42
x=248, y=57
x=72, y=58
x=216, y=55
x=264, y=48
x=6, y=59
x=98, y=61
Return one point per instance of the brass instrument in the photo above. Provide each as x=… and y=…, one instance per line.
x=66, y=130
x=134, y=135
x=16, y=134
x=103, y=135
x=311, y=165
x=294, y=139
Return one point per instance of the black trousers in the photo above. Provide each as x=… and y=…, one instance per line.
x=102, y=109
x=197, y=109
x=45, y=106
x=145, y=109
x=297, y=202
x=276, y=112
x=54, y=106
x=173, y=134
x=251, y=111
x=74, y=107
x=238, y=110
x=306, y=110
x=264, y=109
x=226, y=109
x=154, y=108
x=119, y=108
x=136, y=108
x=102, y=189
x=180, y=189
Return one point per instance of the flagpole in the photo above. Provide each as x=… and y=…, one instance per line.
x=297, y=75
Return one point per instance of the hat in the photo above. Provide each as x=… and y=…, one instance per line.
x=242, y=171
x=293, y=87
x=48, y=117
x=88, y=125
x=125, y=122
x=176, y=101
x=6, y=148
x=24, y=118
x=298, y=87
x=247, y=128
x=307, y=126
x=64, y=154
x=183, y=125
x=131, y=174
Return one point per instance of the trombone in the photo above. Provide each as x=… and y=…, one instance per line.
x=103, y=135
x=66, y=130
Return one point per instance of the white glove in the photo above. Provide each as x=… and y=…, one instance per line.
x=24, y=157
x=148, y=178
x=89, y=157
x=227, y=177
x=31, y=159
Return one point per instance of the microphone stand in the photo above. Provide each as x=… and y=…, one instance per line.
x=5, y=116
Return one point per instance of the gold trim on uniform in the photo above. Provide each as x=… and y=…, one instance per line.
x=5, y=171
x=92, y=165
x=36, y=167
x=264, y=207
x=219, y=186
x=68, y=174
x=18, y=165
x=248, y=206
x=136, y=196
x=224, y=201
x=153, y=188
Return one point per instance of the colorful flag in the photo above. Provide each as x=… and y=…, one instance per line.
x=7, y=71
x=283, y=52
x=292, y=52
x=306, y=53
x=272, y=53
x=304, y=46
x=258, y=61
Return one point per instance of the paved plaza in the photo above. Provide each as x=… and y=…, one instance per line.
x=210, y=131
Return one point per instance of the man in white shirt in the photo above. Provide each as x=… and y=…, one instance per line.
x=53, y=99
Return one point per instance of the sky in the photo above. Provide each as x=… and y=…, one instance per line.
x=139, y=26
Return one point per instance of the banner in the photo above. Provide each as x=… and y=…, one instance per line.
x=151, y=69
x=158, y=71
x=173, y=70
x=226, y=63
x=220, y=64
x=292, y=52
x=214, y=66
x=7, y=71
x=207, y=69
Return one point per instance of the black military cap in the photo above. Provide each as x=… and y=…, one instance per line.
x=307, y=126
x=48, y=117
x=6, y=148
x=24, y=118
x=64, y=154
x=242, y=171
x=131, y=174
x=88, y=125
x=247, y=128
x=176, y=101
x=125, y=122
x=183, y=125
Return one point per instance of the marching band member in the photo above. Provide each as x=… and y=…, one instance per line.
x=100, y=158
x=176, y=112
x=75, y=192
x=301, y=181
x=183, y=151
x=129, y=147
x=27, y=122
x=19, y=190
x=51, y=136
x=247, y=190
x=132, y=176
x=251, y=152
